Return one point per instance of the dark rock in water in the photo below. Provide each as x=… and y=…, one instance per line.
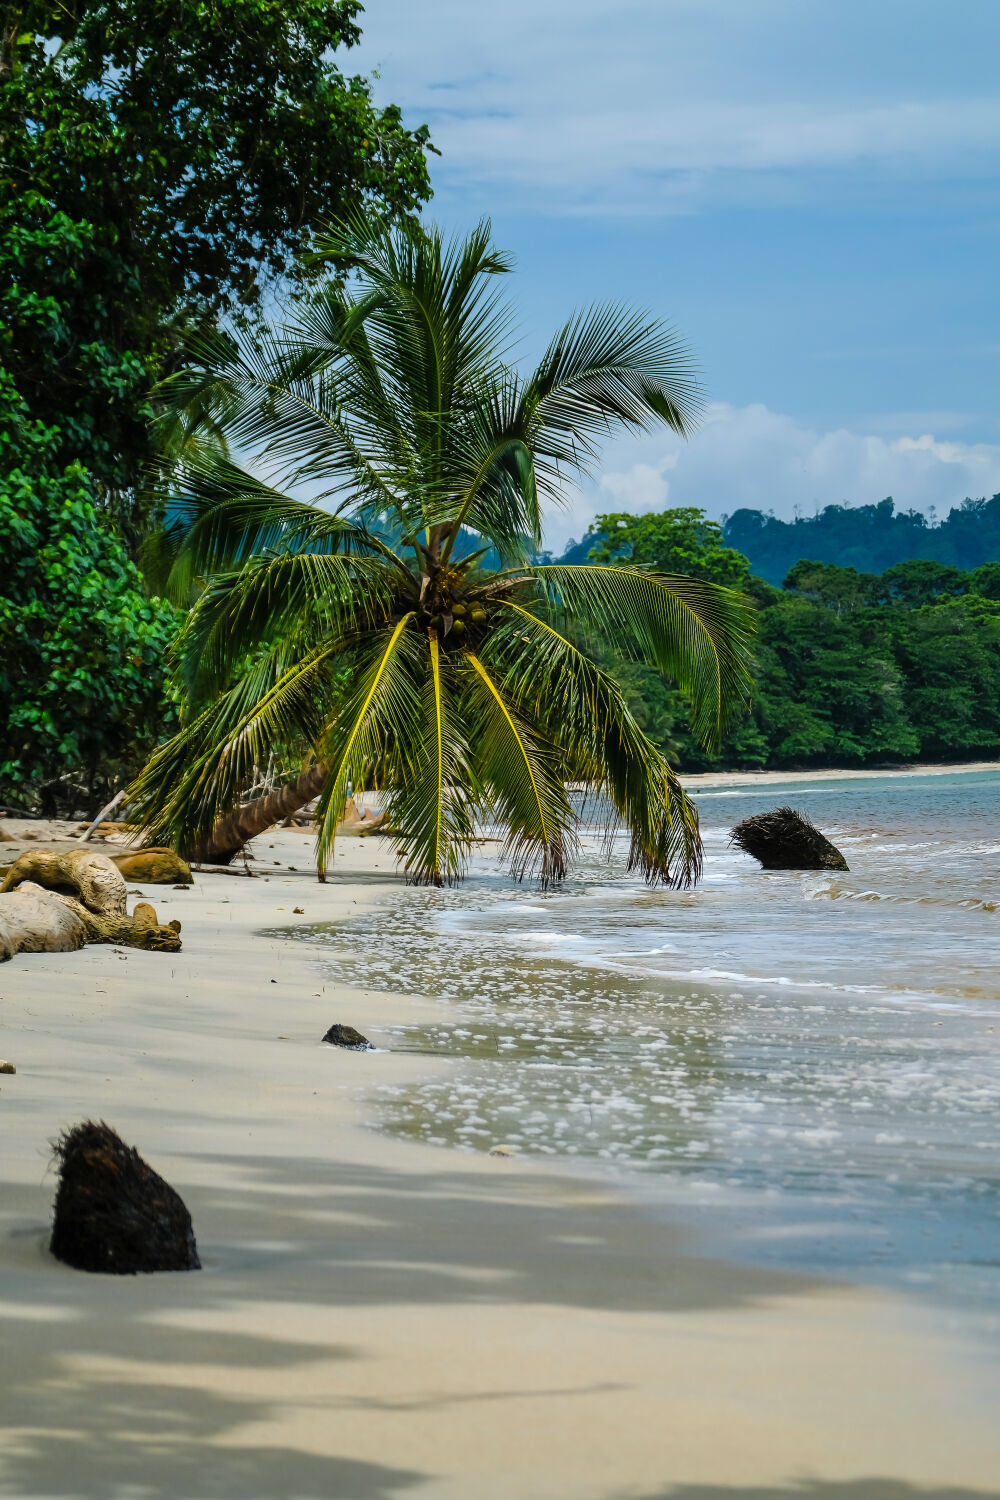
x=113, y=1212
x=783, y=839
x=346, y=1036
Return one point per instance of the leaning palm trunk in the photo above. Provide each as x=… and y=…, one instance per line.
x=248, y=821
x=358, y=627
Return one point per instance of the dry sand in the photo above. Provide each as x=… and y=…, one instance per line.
x=704, y=779
x=381, y=1319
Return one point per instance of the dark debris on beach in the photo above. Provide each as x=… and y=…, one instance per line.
x=783, y=839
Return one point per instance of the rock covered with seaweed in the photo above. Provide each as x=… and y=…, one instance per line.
x=346, y=1036
x=783, y=839
x=113, y=1213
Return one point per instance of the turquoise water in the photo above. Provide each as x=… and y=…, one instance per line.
x=810, y=1063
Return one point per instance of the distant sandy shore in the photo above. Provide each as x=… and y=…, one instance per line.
x=379, y=1319
x=765, y=778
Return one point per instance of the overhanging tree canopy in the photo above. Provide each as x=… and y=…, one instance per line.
x=162, y=160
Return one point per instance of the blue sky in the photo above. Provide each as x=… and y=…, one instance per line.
x=808, y=191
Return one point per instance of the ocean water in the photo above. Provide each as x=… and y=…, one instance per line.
x=808, y=1063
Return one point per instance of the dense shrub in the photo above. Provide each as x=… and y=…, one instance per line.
x=82, y=697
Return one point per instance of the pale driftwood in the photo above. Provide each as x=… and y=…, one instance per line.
x=359, y=822
x=33, y=920
x=91, y=877
x=142, y=930
x=55, y=915
x=105, y=812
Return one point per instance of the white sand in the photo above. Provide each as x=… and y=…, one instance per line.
x=705, y=779
x=378, y=1319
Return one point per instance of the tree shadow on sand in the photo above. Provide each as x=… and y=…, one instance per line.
x=816, y=1489
x=71, y=1431
x=125, y=1385
x=86, y=1411
x=376, y=1235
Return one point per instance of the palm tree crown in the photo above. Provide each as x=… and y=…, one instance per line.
x=357, y=628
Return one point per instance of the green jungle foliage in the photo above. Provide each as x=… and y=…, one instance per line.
x=870, y=538
x=851, y=668
x=160, y=166
x=82, y=695
x=162, y=163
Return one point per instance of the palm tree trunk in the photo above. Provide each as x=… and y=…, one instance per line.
x=244, y=823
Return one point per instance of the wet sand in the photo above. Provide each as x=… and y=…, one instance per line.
x=380, y=1319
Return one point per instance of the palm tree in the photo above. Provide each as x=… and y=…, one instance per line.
x=359, y=633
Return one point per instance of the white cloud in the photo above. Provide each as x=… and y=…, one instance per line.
x=652, y=105
x=752, y=456
x=658, y=155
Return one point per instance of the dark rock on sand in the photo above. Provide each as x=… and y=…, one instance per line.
x=783, y=839
x=113, y=1213
x=346, y=1036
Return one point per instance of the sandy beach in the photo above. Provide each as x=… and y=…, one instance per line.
x=383, y=1319
x=791, y=778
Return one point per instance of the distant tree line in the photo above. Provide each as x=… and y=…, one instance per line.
x=852, y=668
x=870, y=538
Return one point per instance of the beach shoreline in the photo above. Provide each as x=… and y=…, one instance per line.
x=695, y=780
x=381, y=1318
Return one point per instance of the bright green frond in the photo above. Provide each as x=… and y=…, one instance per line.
x=375, y=736
x=205, y=770
x=584, y=711
x=694, y=632
x=433, y=809
x=296, y=601
x=521, y=781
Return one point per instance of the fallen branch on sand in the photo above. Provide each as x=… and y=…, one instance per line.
x=56, y=902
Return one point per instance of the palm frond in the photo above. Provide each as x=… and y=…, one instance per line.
x=220, y=516
x=433, y=809
x=520, y=778
x=298, y=600
x=611, y=367
x=204, y=770
x=289, y=402
x=551, y=680
x=374, y=738
x=694, y=632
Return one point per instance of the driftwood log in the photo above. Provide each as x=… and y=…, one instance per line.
x=784, y=839
x=154, y=867
x=85, y=874
x=55, y=902
x=32, y=921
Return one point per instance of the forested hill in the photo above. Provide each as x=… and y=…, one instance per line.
x=869, y=538
x=852, y=668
